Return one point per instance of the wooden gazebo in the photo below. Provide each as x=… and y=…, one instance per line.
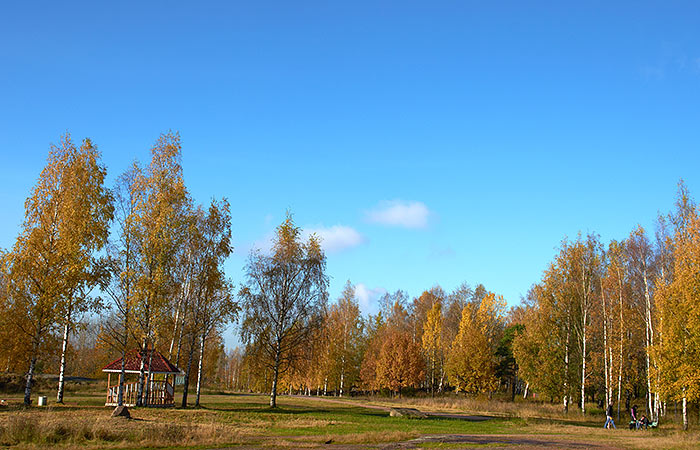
x=160, y=391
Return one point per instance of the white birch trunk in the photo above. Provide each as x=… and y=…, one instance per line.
x=566, y=367
x=583, y=365
x=608, y=394
x=622, y=337
x=342, y=374
x=199, y=370
x=649, y=331
x=62, y=370
x=142, y=375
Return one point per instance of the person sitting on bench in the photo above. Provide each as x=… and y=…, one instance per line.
x=643, y=422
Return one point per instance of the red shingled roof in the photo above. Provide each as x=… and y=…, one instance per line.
x=160, y=363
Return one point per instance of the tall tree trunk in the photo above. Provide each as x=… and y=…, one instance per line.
x=179, y=346
x=342, y=374
x=149, y=384
x=275, y=376
x=583, y=366
x=186, y=385
x=685, y=411
x=608, y=394
x=122, y=376
x=175, y=328
x=62, y=370
x=142, y=374
x=199, y=370
x=30, y=374
x=566, y=365
x=622, y=337
x=649, y=331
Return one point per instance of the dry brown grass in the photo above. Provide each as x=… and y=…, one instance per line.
x=375, y=437
x=86, y=430
x=470, y=405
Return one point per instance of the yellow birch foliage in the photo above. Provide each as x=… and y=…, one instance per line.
x=432, y=341
x=679, y=305
x=470, y=362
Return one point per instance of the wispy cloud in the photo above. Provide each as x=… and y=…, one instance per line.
x=337, y=238
x=368, y=298
x=398, y=213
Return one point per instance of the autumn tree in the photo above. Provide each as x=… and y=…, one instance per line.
x=161, y=205
x=679, y=305
x=373, y=338
x=643, y=273
x=122, y=264
x=455, y=303
x=470, y=362
x=203, y=294
x=546, y=351
x=90, y=208
x=400, y=364
x=345, y=332
x=583, y=271
x=282, y=298
x=66, y=220
x=432, y=344
x=213, y=306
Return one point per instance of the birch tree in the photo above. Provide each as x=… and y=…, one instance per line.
x=583, y=271
x=471, y=362
x=161, y=205
x=66, y=219
x=679, y=305
x=432, y=344
x=641, y=262
x=345, y=330
x=89, y=204
x=123, y=258
x=282, y=298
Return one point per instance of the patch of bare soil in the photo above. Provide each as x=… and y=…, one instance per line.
x=450, y=441
x=522, y=441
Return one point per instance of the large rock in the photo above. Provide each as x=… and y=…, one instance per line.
x=121, y=411
x=407, y=412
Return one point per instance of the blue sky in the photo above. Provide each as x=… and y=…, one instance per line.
x=430, y=142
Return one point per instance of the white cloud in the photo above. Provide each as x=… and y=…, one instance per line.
x=337, y=238
x=400, y=214
x=368, y=297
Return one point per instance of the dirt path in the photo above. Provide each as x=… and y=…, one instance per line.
x=521, y=441
x=451, y=441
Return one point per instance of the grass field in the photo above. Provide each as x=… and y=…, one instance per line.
x=245, y=421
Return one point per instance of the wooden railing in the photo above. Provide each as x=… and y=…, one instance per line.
x=160, y=393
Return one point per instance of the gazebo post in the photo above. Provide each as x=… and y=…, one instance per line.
x=109, y=379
